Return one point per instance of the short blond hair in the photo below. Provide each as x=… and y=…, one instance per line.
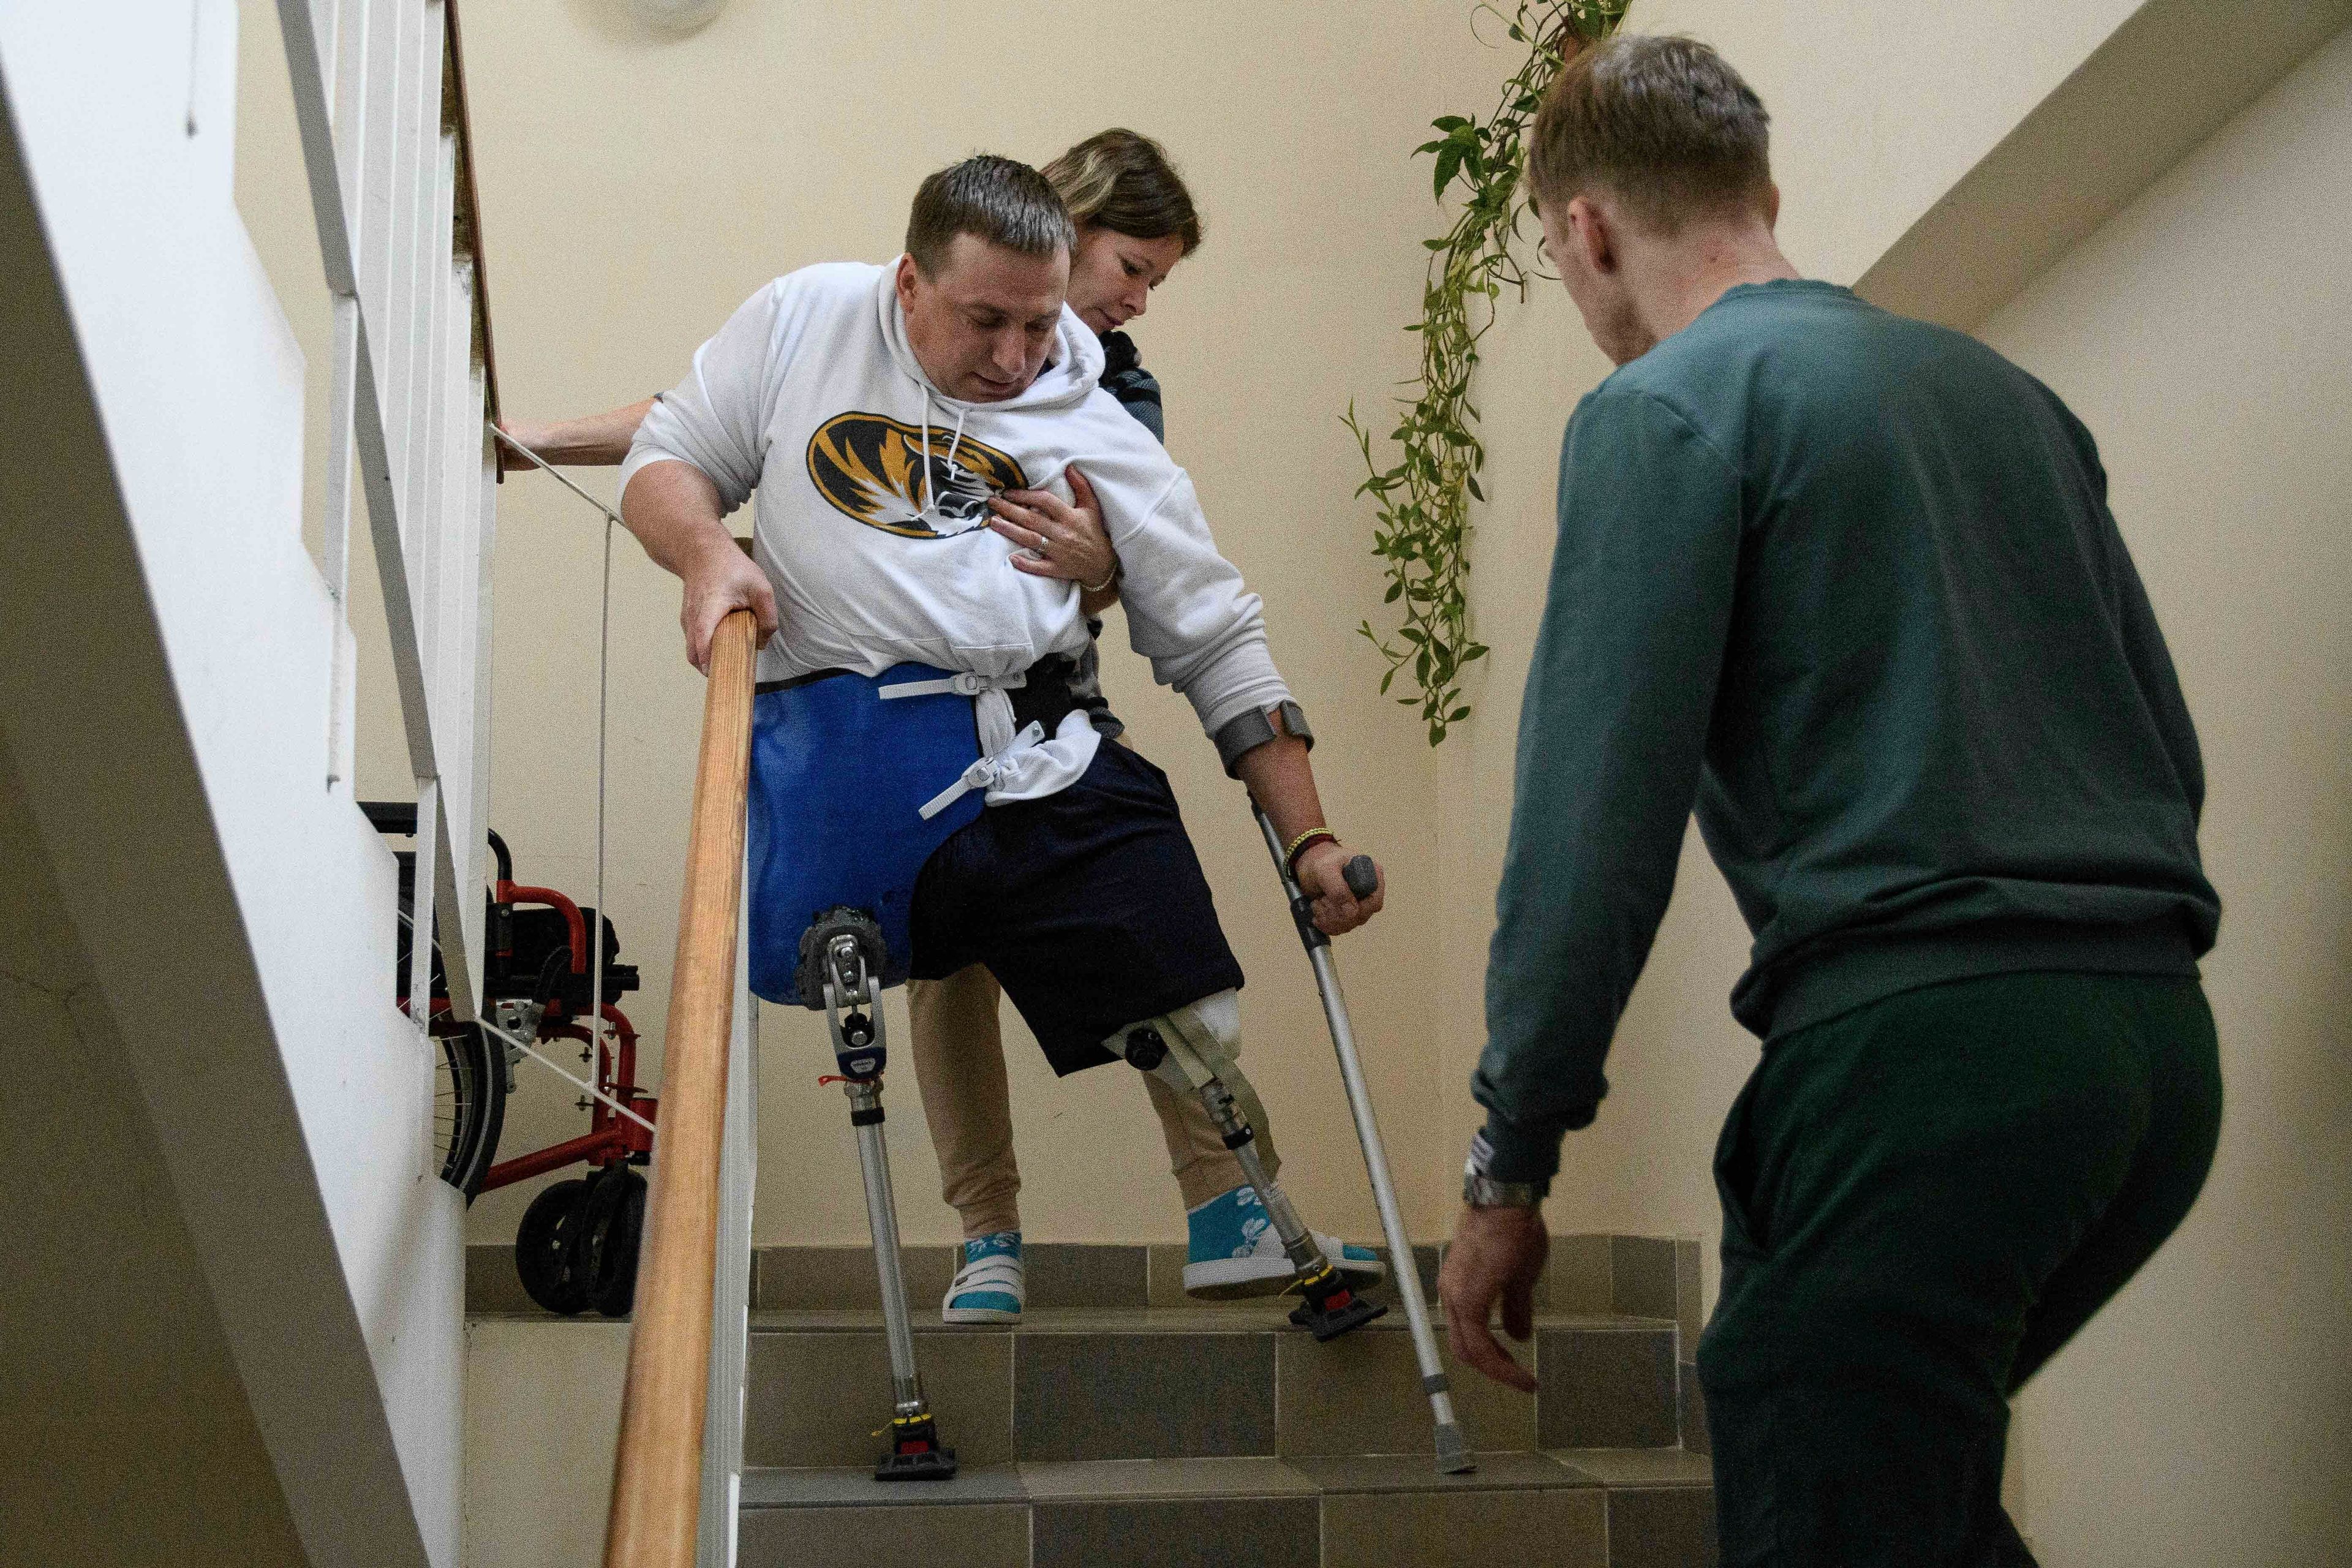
x=1124, y=183
x=1662, y=123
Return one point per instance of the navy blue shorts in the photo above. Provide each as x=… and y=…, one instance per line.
x=1088, y=906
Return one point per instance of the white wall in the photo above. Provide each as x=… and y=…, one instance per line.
x=167, y=705
x=126, y=1437
x=2205, y=335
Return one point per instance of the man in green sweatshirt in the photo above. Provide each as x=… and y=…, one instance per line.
x=1848, y=584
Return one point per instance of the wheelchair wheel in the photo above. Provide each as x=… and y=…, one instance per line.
x=469, y=1106
x=547, y=1251
x=612, y=1222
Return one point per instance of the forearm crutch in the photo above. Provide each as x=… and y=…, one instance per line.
x=1453, y=1451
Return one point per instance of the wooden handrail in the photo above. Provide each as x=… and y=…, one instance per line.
x=658, y=1468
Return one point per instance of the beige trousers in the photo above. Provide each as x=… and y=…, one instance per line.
x=960, y=1067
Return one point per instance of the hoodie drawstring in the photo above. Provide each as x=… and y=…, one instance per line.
x=931, y=490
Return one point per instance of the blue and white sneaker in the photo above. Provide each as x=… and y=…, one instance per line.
x=987, y=1288
x=1235, y=1251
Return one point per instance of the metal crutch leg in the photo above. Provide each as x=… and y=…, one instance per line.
x=1331, y=1305
x=847, y=947
x=1453, y=1449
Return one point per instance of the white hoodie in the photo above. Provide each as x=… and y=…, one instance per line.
x=811, y=398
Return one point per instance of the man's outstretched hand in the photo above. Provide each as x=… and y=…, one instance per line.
x=1497, y=1255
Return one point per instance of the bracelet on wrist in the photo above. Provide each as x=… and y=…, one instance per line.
x=1300, y=844
x=1106, y=583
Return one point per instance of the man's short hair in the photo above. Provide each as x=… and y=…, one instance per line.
x=1664, y=124
x=1003, y=202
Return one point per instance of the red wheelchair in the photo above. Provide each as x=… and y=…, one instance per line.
x=576, y=1246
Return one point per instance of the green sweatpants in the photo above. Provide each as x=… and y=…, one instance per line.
x=1923, y=1199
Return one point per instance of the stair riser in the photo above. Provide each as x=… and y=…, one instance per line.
x=1567, y=1528
x=816, y=1397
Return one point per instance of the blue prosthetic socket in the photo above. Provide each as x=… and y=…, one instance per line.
x=839, y=778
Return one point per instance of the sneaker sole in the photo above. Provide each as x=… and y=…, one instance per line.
x=1237, y=1279
x=977, y=1315
x=1240, y=1279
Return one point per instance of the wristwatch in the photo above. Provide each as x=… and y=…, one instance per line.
x=1481, y=1191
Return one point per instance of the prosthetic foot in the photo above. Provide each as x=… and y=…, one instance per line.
x=842, y=962
x=1182, y=1052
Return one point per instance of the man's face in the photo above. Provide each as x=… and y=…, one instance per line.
x=981, y=326
x=1583, y=243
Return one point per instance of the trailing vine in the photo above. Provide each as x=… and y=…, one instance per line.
x=1424, y=501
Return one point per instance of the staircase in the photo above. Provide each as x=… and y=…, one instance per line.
x=1120, y=1423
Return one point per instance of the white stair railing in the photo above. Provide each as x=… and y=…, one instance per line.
x=379, y=94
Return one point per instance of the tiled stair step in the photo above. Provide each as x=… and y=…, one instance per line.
x=1194, y=1382
x=1559, y=1509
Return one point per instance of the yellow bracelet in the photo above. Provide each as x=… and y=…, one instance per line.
x=1290, y=855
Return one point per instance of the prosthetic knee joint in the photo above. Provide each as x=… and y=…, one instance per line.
x=1189, y=1051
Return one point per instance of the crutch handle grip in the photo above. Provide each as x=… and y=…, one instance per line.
x=1363, y=878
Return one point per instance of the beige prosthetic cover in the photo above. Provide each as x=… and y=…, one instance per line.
x=959, y=1050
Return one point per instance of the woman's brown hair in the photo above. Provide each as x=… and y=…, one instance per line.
x=1125, y=183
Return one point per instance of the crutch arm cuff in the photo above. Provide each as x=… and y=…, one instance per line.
x=1245, y=733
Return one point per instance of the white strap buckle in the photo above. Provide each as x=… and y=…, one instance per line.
x=963, y=683
x=982, y=774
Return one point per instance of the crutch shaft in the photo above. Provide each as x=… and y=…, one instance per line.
x=1384, y=1199
x=1452, y=1448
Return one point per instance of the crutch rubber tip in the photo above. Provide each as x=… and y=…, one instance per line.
x=1452, y=1453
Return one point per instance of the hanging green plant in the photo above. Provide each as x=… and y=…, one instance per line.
x=1424, y=501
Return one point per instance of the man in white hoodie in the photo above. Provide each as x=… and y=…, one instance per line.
x=874, y=412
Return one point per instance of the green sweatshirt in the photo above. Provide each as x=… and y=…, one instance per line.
x=1848, y=584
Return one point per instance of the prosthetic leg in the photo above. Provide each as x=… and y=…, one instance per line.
x=1181, y=1051
x=1453, y=1451
x=841, y=961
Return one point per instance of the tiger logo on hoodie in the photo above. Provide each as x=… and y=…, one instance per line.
x=876, y=469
